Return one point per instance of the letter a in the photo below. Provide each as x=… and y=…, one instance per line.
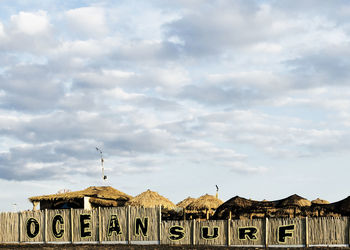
x=114, y=226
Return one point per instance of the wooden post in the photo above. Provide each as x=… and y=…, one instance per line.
x=45, y=226
x=19, y=227
x=160, y=224
x=71, y=226
x=306, y=232
x=228, y=232
x=266, y=232
x=99, y=226
x=230, y=215
x=349, y=230
x=184, y=213
x=193, y=231
x=128, y=225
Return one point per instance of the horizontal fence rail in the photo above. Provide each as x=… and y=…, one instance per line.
x=137, y=225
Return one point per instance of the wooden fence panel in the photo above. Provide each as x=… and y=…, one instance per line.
x=144, y=224
x=58, y=225
x=248, y=232
x=328, y=230
x=32, y=226
x=85, y=225
x=9, y=227
x=176, y=232
x=286, y=231
x=114, y=224
x=211, y=232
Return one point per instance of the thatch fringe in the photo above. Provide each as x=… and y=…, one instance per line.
x=98, y=192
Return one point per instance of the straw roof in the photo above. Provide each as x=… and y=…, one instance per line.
x=342, y=206
x=103, y=192
x=294, y=200
x=150, y=199
x=184, y=203
x=319, y=201
x=238, y=202
x=205, y=202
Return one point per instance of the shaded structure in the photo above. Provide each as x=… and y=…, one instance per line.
x=203, y=207
x=103, y=196
x=242, y=208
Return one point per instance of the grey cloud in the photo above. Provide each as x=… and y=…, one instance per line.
x=30, y=87
x=216, y=27
x=327, y=67
x=47, y=161
x=155, y=141
x=217, y=95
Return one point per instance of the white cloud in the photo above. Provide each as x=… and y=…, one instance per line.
x=31, y=23
x=87, y=21
x=2, y=32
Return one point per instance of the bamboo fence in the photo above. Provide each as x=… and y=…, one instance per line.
x=138, y=225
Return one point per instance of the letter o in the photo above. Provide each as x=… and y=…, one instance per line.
x=31, y=222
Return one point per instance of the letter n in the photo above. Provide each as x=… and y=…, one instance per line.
x=141, y=226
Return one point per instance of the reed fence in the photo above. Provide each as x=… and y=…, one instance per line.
x=137, y=225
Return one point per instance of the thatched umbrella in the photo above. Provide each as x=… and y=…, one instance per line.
x=319, y=201
x=184, y=203
x=293, y=206
x=206, y=203
x=294, y=201
x=151, y=199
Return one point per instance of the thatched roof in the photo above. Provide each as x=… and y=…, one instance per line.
x=150, y=199
x=184, y=203
x=238, y=202
x=103, y=192
x=205, y=202
x=342, y=206
x=294, y=200
x=319, y=201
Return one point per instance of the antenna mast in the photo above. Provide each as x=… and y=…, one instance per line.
x=104, y=177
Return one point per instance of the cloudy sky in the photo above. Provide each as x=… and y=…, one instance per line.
x=252, y=96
